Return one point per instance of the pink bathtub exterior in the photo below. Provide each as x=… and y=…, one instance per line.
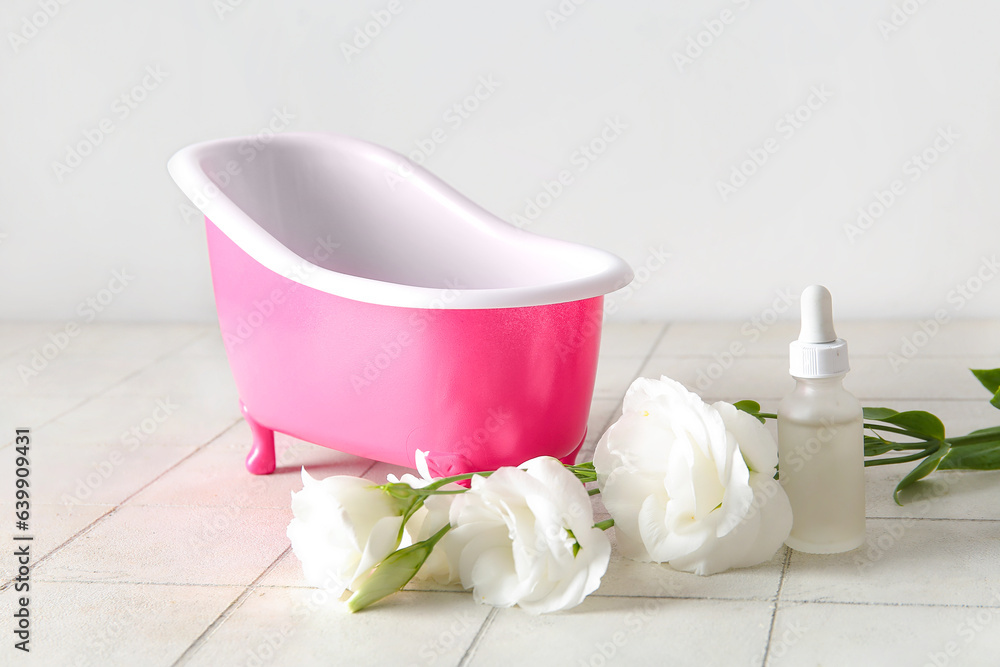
x=476, y=388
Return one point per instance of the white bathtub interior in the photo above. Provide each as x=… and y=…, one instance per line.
x=358, y=210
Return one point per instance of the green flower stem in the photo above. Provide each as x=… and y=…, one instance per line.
x=902, y=459
x=604, y=525
x=903, y=446
x=965, y=440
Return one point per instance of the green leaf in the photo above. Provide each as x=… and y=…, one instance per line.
x=990, y=378
x=981, y=456
x=878, y=414
x=750, y=407
x=919, y=422
x=924, y=468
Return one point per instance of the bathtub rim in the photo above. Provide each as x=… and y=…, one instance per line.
x=610, y=272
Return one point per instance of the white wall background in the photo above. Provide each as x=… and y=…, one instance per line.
x=227, y=65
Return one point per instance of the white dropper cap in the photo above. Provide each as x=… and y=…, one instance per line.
x=818, y=353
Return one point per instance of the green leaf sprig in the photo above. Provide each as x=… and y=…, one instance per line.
x=979, y=450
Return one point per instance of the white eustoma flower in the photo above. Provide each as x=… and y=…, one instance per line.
x=689, y=483
x=526, y=536
x=343, y=527
x=420, y=459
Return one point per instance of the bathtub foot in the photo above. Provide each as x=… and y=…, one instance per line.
x=260, y=460
x=570, y=458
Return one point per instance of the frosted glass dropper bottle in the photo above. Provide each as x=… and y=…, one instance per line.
x=821, y=437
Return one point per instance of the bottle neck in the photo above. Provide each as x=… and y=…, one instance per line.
x=820, y=384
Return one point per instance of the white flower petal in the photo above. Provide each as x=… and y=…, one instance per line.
x=512, y=538
x=757, y=444
x=676, y=478
x=342, y=527
x=774, y=514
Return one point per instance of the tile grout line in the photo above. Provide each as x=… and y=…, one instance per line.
x=776, y=356
x=470, y=652
x=105, y=390
x=464, y=593
x=929, y=518
x=6, y=584
x=652, y=349
x=856, y=603
x=224, y=615
x=777, y=600
x=863, y=398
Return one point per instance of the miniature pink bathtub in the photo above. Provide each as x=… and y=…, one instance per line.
x=368, y=307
